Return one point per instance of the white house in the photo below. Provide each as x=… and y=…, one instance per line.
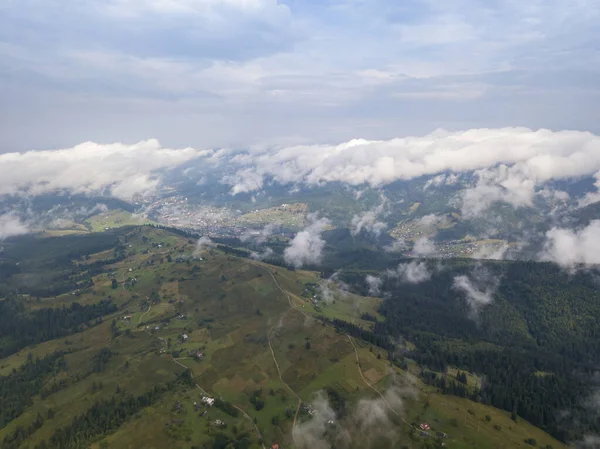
x=208, y=401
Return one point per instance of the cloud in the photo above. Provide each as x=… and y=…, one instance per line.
x=412, y=273
x=510, y=162
x=311, y=434
x=589, y=442
x=432, y=221
x=365, y=425
x=332, y=285
x=120, y=170
x=374, y=283
x=592, y=197
x=265, y=254
x=189, y=71
x=307, y=246
x=261, y=236
x=569, y=248
x=478, y=288
x=202, y=243
x=368, y=221
x=11, y=226
x=491, y=252
x=424, y=247
x=396, y=246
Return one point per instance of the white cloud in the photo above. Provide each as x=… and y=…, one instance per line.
x=307, y=246
x=478, y=288
x=412, y=273
x=89, y=168
x=569, y=248
x=510, y=162
x=11, y=226
x=396, y=246
x=424, y=247
x=374, y=283
x=265, y=254
x=259, y=237
x=366, y=424
x=368, y=221
x=202, y=243
x=592, y=197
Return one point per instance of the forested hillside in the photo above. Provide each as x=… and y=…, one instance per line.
x=536, y=345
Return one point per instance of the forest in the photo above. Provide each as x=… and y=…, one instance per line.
x=536, y=346
x=18, y=388
x=20, y=327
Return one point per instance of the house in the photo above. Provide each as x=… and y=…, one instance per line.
x=275, y=446
x=208, y=401
x=424, y=426
x=199, y=355
x=184, y=337
x=219, y=423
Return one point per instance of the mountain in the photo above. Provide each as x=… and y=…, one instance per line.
x=126, y=358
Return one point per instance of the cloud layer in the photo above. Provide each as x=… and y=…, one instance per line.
x=190, y=71
x=510, y=163
x=118, y=169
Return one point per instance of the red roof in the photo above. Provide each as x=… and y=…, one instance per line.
x=275, y=446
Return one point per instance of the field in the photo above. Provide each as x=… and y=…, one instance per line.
x=114, y=219
x=288, y=215
x=249, y=337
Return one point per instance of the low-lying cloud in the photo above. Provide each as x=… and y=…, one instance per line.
x=202, y=243
x=411, y=273
x=424, y=247
x=368, y=221
x=307, y=246
x=11, y=226
x=120, y=170
x=569, y=248
x=374, y=284
x=478, y=288
x=260, y=236
x=369, y=423
x=510, y=162
x=265, y=254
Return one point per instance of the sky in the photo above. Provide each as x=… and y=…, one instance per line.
x=241, y=73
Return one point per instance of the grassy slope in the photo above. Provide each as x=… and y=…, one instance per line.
x=231, y=310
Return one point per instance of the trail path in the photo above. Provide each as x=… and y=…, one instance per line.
x=142, y=315
x=349, y=338
x=289, y=298
x=281, y=377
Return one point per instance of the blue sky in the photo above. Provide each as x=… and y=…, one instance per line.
x=212, y=73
